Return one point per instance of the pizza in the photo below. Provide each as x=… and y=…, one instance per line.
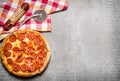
x=25, y=53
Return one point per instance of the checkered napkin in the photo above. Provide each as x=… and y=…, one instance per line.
x=8, y=8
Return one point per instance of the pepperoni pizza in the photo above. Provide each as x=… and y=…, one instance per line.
x=25, y=53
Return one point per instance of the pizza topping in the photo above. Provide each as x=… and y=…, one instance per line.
x=40, y=55
x=28, y=60
x=37, y=41
x=30, y=36
x=24, y=67
x=7, y=53
x=33, y=56
x=21, y=36
x=23, y=45
x=30, y=50
x=40, y=49
x=9, y=60
x=44, y=53
x=19, y=59
x=16, y=49
x=8, y=46
x=39, y=61
x=19, y=53
x=32, y=68
x=16, y=67
x=42, y=44
x=38, y=66
x=12, y=38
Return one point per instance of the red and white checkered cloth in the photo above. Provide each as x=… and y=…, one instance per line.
x=8, y=8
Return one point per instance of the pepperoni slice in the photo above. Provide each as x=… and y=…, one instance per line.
x=37, y=41
x=12, y=38
x=16, y=67
x=40, y=56
x=32, y=68
x=21, y=36
x=7, y=53
x=28, y=60
x=19, y=59
x=33, y=56
x=30, y=36
x=30, y=50
x=42, y=44
x=8, y=46
x=24, y=67
x=9, y=60
x=39, y=61
x=16, y=49
x=23, y=45
x=19, y=53
x=44, y=53
x=38, y=66
x=41, y=48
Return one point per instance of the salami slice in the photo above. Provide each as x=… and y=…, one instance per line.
x=28, y=60
x=23, y=45
x=32, y=68
x=37, y=41
x=40, y=56
x=38, y=66
x=39, y=61
x=30, y=36
x=12, y=38
x=24, y=67
x=7, y=53
x=21, y=36
x=16, y=67
x=30, y=50
x=16, y=49
x=19, y=59
x=44, y=53
x=8, y=46
x=33, y=56
x=9, y=60
x=40, y=48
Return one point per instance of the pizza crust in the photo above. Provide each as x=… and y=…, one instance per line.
x=20, y=73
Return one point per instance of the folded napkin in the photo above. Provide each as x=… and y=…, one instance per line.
x=8, y=8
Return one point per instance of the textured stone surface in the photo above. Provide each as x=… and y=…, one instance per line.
x=85, y=43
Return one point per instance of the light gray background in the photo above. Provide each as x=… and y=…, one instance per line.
x=85, y=43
